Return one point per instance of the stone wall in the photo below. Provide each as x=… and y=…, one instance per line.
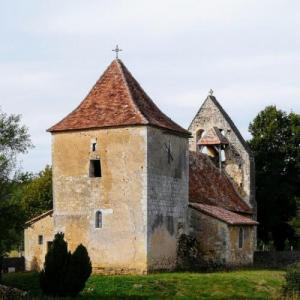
x=120, y=246
x=275, y=259
x=13, y=264
x=34, y=251
x=167, y=196
x=218, y=242
x=212, y=236
x=241, y=256
x=239, y=164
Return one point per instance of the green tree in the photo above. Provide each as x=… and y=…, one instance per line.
x=35, y=194
x=295, y=223
x=14, y=139
x=275, y=143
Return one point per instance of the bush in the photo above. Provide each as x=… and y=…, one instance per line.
x=65, y=274
x=55, y=267
x=292, y=277
x=80, y=269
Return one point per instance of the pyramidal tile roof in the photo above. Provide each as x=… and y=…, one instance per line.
x=116, y=99
x=213, y=137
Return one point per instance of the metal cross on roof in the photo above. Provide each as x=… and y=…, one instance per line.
x=211, y=92
x=117, y=50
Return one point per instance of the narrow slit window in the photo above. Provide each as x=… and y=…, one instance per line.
x=40, y=240
x=241, y=237
x=95, y=168
x=98, y=219
x=94, y=145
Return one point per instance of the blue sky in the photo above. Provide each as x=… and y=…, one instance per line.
x=52, y=52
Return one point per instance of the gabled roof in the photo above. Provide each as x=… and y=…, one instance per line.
x=116, y=99
x=39, y=217
x=227, y=118
x=222, y=214
x=209, y=185
x=213, y=137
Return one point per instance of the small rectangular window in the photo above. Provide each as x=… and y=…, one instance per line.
x=98, y=219
x=95, y=168
x=241, y=237
x=40, y=240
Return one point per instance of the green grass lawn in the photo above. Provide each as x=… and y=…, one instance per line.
x=246, y=284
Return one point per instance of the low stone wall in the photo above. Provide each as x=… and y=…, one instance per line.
x=13, y=264
x=275, y=259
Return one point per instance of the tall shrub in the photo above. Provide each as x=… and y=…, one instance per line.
x=292, y=278
x=64, y=273
x=79, y=270
x=52, y=277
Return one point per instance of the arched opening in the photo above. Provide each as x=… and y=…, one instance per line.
x=199, y=134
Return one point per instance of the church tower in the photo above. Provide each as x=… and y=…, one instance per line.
x=120, y=177
x=215, y=134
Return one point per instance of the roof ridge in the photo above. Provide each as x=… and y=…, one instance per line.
x=117, y=99
x=120, y=66
x=90, y=91
x=228, y=119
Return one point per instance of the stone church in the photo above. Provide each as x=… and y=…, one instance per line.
x=128, y=183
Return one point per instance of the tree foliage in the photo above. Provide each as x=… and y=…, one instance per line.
x=35, y=193
x=79, y=271
x=14, y=139
x=275, y=143
x=64, y=273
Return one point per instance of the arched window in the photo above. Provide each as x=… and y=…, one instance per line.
x=199, y=134
x=98, y=219
x=241, y=237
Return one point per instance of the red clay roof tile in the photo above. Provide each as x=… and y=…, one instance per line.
x=222, y=214
x=213, y=137
x=208, y=185
x=116, y=99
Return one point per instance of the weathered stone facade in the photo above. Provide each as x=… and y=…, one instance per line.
x=122, y=188
x=37, y=236
x=219, y=242
x=142, y=195
x=120, y=246
x=239, y=162
x=167, y=196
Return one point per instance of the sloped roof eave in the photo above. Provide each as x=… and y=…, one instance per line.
x=39, y=217
x=179, y=133
x=116, y=99
x=224, y=215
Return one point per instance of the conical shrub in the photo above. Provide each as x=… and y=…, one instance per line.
x=65, y=274
x=53, y=275
x=79, y=271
